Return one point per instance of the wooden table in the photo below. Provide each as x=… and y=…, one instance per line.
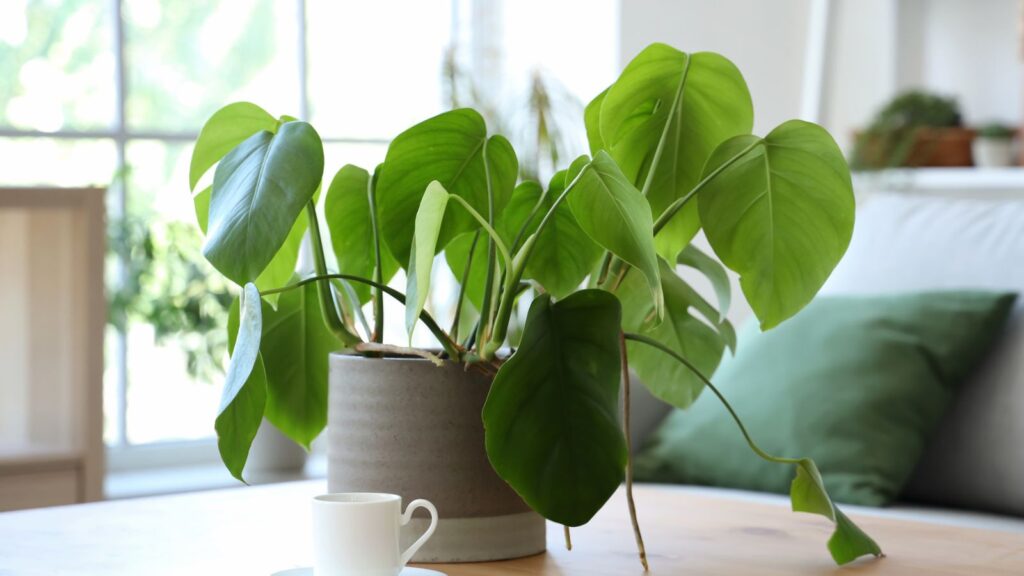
x=256, y=531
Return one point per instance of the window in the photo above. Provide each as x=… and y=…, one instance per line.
x=114, y=92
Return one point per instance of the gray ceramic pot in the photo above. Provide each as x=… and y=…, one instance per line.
x=408, y=427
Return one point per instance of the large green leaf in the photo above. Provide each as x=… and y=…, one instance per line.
x=563, y=254
x=551, y=418
x=780, y=213
x=615, y=215
x=259, y=189
x=450, y=149
x=281, y=266
x=294, y=349
x=227, y=128
x=807, y=494
x=681, y=330
x=347, y=211
x=245, y=387
x=697, y=101
x=429, y=219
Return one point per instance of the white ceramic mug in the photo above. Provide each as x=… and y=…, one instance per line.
x=357, y=533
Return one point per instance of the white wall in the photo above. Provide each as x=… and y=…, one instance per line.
x=764, y=39
x=966, y=48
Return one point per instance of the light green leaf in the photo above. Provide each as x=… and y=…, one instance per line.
x=780, y=213
x=697, y=101
x=294, y=349
x=807, y=493
x=259, y=189
x=429, y=219
x=592, y=122
x=450, y=149
x=615, y=215
x=347, y=211
x=201, y=201
x=227, y=128
x=714, y=271
x=551, y=422
x=245, y=388
x=681, y=331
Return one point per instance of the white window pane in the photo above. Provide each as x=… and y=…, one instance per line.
x=175, y=302
x=375, y=67
x=57, y=65
x=337, y=154
x=187, y=59
x=57, y=162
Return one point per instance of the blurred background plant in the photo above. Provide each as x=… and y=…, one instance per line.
x=166, y=284
x=906, y=131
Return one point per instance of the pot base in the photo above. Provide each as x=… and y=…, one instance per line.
x=478, y=539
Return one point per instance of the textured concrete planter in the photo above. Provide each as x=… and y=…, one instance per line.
x=408, y=427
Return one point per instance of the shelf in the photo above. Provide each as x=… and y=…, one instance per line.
x=999, y=180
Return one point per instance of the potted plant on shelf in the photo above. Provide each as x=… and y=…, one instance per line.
x=915, y=129
x=499, y=440
x=993, y=145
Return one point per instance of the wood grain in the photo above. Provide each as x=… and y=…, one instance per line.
x=256, y=531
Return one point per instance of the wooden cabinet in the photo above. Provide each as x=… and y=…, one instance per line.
x=52, y=318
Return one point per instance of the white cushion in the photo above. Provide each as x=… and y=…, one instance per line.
x=913, y=242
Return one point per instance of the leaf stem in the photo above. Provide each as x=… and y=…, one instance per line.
x=502, y=249
x=328, y=308
x=446, y=342
x=517, y=268
x=739, y=423
x=568, y=538
x=629, y=455
x=490, y=286
x=676, y=206
x=462, y=288
x=378, y=273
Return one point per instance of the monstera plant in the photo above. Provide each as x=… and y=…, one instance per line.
x=596, y=247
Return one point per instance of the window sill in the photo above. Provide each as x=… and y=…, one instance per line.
x=136, y=483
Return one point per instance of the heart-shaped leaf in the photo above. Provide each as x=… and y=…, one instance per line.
x=347, y=211
x=686, y=103
x=429, y=218
x=259, y=189
x=681, y=331
x=245, y=388
x=807, y=493
x=795, y=214
x=551, y=418
x=227, y=128
x=450, y=148
x=294, y=349
x=615, y=215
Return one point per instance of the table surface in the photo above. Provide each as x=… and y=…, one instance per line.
x=259, y=530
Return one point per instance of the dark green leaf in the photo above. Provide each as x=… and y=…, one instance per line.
x=245, y=388
x=807, y=493
x=681, y=331
x=697, y=101
x=448, y=148
x=551, y=418
x=259, y=189
x=780, y=213
x=347, y=211
x=429, y=219
x=294, y=349
x=615, y=215
x=227, y=128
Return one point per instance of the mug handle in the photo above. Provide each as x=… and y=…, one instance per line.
x=407, y=516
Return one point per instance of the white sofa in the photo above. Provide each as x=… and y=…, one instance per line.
x=906, y=240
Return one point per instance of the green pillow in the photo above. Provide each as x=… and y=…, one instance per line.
x=856, y=383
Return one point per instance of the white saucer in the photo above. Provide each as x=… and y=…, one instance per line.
x=407, y=571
